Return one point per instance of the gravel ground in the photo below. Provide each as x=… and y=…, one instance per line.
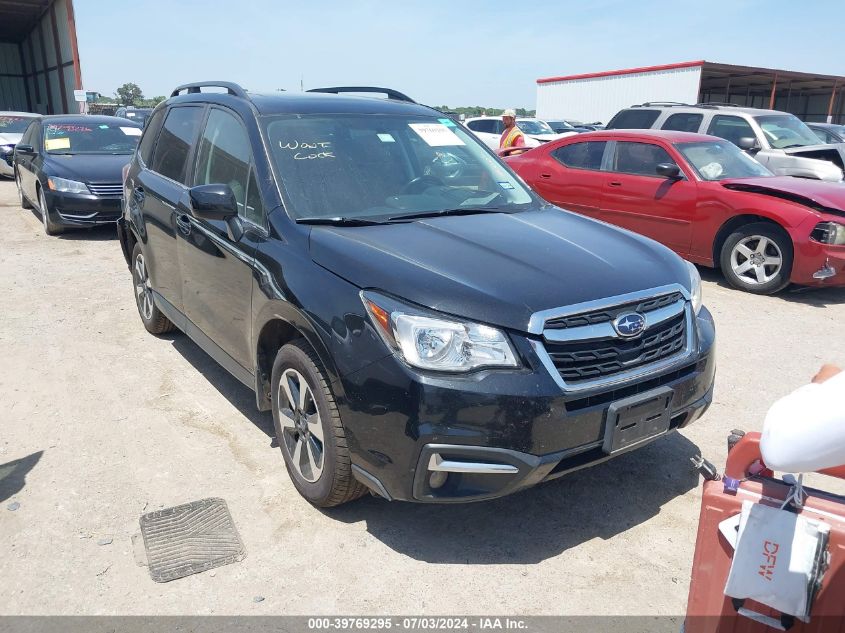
x=102, y=422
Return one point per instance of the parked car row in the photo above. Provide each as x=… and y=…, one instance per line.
x=702, y=197
x=421, y=323
x=778, y=140
x=489, y=129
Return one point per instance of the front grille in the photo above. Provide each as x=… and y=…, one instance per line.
x=606, y=315
x=110, y=189
x=588, y=360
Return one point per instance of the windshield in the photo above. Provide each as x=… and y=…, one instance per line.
x=719, y=160
x=366, y=166
x=785, y=130
x=533, y=127
x=137, y=116
x=14, y=124
x=91, y=138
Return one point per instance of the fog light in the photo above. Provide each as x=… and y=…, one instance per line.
x=437, y=479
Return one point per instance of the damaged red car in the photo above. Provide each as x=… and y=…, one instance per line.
x=702, y=197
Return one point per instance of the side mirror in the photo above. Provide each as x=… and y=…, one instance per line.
x=668, y=170
x=213, y=202
x=748, y=144
x=217, y=202
x=24, y=149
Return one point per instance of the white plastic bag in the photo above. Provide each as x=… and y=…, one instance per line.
x=775, y=559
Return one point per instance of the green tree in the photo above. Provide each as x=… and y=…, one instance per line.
x=129, y=94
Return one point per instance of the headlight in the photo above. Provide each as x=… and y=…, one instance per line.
x=6, y=149
x=66, y=186
x=440, y=343
x=695, y=287
x=829, y=233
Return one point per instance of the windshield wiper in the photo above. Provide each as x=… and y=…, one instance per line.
x=442, y=212
x=338, y=221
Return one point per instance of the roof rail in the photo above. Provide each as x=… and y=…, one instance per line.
x=391, y=94
x=194, y=88
x=648, y=104
x=718, y=103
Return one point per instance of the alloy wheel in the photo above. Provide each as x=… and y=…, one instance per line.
x=20, y=189
x=302, y=428
x=143, y=288
x=756, y=260
x=42, y=202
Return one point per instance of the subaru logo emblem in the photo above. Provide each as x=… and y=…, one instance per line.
x=629, y=324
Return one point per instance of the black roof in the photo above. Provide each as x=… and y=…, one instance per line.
x=299, y=102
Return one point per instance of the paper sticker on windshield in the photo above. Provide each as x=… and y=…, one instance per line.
x=56, y=143
x=386, y=138
x=104, y=127
x=131, y=131
x=447, y=122
x=436, y=134
x=506, y=185
x=131, y=114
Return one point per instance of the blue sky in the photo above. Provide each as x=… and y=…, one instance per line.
x=479, y=53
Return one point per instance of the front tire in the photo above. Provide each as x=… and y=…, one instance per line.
x=50, y=227
x=153, y=319
x=757, y=258
x=25, y=204
x=308, y=429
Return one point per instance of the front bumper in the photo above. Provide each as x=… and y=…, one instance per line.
x=82, y=210
x=519, y=426
x=818, y=264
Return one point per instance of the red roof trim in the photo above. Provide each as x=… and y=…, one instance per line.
x=625, y=71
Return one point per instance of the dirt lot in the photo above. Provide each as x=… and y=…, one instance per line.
x=111, y=422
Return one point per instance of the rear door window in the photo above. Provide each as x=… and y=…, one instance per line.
x=640, y=159
x=585, y=155
x=730, y=128
x=683, y=122
x=145, y=148
x=174, y=143
x=633, y=119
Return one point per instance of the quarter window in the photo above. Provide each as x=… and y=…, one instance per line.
x=485, y=125
x=585, y=155
x=174, y=143
x=730, y=128
x=633, y=119
x=641, y=159
x=683, y=122
x=225, y=156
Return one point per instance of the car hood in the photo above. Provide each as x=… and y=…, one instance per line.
x=819, y=195
x=9, y=138
x=497, y=268
x=821, y=147
x=105, y=168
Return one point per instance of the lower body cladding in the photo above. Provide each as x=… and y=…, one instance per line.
x=421, y=438
x=71, y=210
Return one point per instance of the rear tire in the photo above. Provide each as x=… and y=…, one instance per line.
x=25, y=204
x=309, y=431
x=153, y=319
x=50, y=227
x=757, y=258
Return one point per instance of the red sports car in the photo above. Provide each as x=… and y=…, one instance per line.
x=702, y=197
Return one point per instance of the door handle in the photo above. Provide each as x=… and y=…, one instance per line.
x=184, y=224
x=615, y=183
x=546, y=176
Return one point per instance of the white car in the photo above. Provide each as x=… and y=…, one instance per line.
x=489, y=130
x=12, y=126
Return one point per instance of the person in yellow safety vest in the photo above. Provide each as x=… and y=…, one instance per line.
x=512, y=136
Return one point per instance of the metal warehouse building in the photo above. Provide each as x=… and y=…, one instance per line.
x=39, y=58
x=598, y=96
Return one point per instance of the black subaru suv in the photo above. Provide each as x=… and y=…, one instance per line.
x=421, y=324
